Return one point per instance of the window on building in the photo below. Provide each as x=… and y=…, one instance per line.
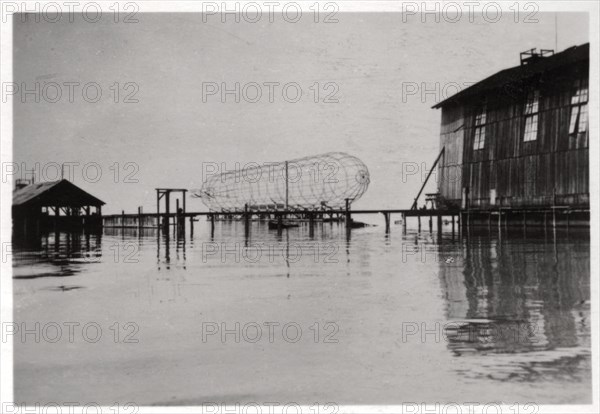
x=479, y=141
x=579, y=108
x=531, y=116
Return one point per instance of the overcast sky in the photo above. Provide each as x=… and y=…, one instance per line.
x=170, y=131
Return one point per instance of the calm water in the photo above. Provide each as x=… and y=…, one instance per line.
x=365, y=318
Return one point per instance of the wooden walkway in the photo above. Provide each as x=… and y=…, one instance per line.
x=492, y=216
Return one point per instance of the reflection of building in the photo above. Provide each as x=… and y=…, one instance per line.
x=54, y=203
x=54, y=253
x=519, y=138
x=503, y=290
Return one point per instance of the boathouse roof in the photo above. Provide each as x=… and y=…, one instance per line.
x=60, y=193
x=507, y=81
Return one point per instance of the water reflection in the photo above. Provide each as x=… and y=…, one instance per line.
x=519, y=293
x=514, y=305
x=54, y=254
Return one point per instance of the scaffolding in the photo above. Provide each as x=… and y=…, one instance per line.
x=321, y=182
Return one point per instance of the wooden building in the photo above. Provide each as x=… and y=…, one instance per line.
x=519, y=139
x=55, y=203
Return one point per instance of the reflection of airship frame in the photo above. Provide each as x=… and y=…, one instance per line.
x=312, y=183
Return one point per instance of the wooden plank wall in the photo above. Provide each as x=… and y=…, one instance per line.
x=452, y=138
x=522, y=173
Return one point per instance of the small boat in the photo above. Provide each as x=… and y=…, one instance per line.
x=274, y=225
x=358, y=224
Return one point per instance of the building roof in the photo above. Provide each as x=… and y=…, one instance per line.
x=61, y=193
x=517, y=74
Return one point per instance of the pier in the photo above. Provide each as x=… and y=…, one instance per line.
x=551, y=217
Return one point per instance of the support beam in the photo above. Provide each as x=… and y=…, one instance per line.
x=246, y=220
x=287, y=190
x=414, y=206
x=177, y=213
x=348, y=216
x=167, y=210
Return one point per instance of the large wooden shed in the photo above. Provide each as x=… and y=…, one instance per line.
x=54, y=203
x=519, y=138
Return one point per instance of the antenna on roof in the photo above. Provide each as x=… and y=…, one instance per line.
x=533, y=55
x=555, y=31
x=32, y=171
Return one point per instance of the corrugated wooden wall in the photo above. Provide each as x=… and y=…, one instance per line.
x=452, y=139
x=522, y=173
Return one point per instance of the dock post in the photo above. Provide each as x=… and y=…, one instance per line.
x=139, y=218
x=157, y=211
x=167, y=220
x=430, y=224
x=246, y=216
x=177, y=217
x=387, y=222
x=439, y=223
x=348, y=217
x=403, y=223
x=279, y=222
x=287, y=190
x=452, y=224
x=191, y=226
x=122, y=219
x=311, y=224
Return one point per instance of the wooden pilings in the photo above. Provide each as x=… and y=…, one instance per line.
x=247, y=215
x=523, y=217
x=387, y=221
x=347, y=212
x=179, y=213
